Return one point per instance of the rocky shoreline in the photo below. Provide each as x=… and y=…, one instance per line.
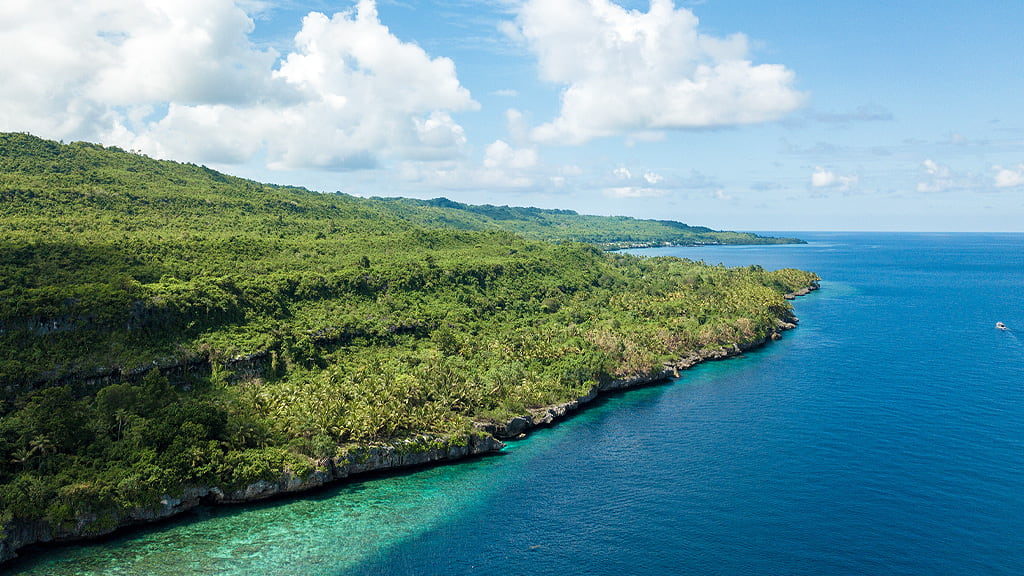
x=409, y=453
x=519, y=426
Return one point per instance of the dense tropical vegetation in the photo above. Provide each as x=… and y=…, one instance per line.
x=165, y=325
x=566, y=225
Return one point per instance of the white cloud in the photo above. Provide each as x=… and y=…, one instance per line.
x=635, y=192
x=630, y=71
x=517, y=125
x=824, y=178
x=935, y=169
x=501, y=156
x=653, y=178
x=1009, y=177
x=507, y=167
x=503, y=166
x=622, y=173
x=70, y=67
x=939, y=178
x=648, y=177
x=182, y=80
x=625, y=183
x=184, y=52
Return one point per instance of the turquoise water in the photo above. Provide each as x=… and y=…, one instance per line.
x=885, y=435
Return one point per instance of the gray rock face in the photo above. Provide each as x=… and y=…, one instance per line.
x=802, y=292
x=418, y=451
x=517, y=426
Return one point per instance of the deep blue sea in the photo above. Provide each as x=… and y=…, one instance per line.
x=883, y=436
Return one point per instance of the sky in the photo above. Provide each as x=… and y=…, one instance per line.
x=734, y=114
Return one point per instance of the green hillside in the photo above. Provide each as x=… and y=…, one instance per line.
x=566, y=225
x=163, y=325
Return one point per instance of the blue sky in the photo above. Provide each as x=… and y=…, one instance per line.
x=735, y=114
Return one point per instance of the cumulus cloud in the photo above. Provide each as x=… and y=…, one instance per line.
x=503, y=166
x=182, y=80
x=635, y=192
x=1009, y=177
x=625, y=183
x=824, y=178
x=626, y=71
x=653, y=178
x=645, y=178
x=500, y=155
x=68, y=66
x=517, y=126
x=938, y=178
x=934, y=169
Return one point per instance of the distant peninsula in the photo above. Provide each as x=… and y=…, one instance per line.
x=612, y=232
x=172, y=336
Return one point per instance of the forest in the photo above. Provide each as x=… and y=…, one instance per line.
x=164, y=325
x=567, y=225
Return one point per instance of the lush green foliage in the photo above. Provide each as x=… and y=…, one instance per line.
x=566, y=225
x=165, y=325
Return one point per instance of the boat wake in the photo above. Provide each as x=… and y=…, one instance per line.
x=1015, y=339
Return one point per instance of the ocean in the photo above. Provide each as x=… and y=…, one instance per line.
x=885, y=435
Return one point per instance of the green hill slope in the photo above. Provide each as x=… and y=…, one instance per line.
x=164, y=326
x=47, y=182
x=565, y=225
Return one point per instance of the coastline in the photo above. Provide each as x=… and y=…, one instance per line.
x=413, y=452
x=520, y=426
x=640, y=244
x=419, y=451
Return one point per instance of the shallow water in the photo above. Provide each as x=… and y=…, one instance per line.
x=885, y=435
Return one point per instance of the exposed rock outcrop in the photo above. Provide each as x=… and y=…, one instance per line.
x=802, y=292
x=418, y=451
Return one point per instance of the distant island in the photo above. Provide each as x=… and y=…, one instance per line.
x=173, y=336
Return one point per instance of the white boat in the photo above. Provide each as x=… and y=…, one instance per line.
x=1001, y=326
